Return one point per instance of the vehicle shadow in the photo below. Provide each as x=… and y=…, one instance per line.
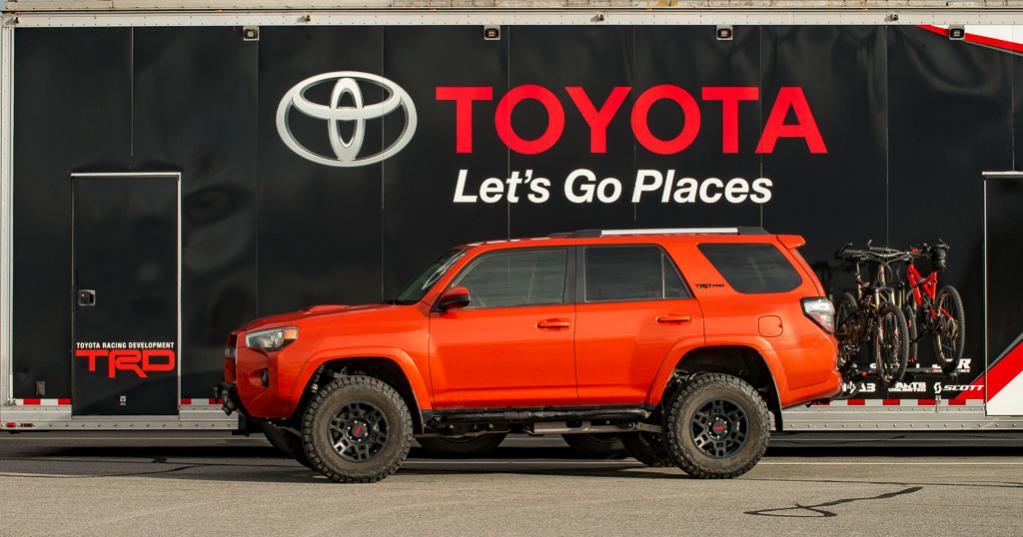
x=257, y=462
x=265, y=464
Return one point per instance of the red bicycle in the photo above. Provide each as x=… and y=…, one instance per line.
x=933, y=312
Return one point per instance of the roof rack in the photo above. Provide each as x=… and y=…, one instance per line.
x=594, y=233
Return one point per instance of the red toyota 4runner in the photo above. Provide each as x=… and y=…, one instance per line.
x=683, y=342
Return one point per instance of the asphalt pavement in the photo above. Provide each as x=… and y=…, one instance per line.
x=183, y=484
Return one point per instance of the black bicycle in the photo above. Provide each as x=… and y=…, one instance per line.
x=871, y=318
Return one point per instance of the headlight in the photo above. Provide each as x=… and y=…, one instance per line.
x=273, y=339
x=820, y=311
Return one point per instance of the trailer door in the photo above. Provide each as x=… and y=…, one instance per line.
x=125, y=295
x=1003, y=235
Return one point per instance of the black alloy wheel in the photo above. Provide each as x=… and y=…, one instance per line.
x=359, y=431
x=720, y=428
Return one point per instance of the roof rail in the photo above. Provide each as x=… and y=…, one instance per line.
x=594, y=233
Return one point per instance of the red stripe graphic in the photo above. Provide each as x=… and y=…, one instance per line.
x=1006, y=369
x=992, y=42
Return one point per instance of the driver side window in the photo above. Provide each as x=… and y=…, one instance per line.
x=517, y=277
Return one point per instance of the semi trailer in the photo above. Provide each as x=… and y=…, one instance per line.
x=171, y=170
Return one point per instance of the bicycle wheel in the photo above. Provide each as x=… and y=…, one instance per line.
x=910, y=313
x=848, y=330
x=950, y=328
x=891, y=343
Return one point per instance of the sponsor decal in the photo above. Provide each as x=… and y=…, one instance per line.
x=584, y=186
x=127, y=357
x=789, y=117
x=965, y=388
x=347, y=152
x=861, y=387
x=789, y=98
x=908, y=387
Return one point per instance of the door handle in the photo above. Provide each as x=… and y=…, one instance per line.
x=674, y=318
x=554, y=323
x=87, y=297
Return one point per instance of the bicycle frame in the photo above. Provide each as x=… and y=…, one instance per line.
x=925, y=290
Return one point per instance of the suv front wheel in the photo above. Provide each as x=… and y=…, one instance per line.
x=356, y=429
x=717, y=427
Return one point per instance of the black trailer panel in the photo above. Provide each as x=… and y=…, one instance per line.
x=839, y=133
x=125, y=284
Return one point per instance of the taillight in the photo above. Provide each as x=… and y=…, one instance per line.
x=821, y=311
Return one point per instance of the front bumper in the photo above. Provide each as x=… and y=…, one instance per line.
x=228, y=392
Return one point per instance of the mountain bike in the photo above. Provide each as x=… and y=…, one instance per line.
x=872, y=317
x=933, y=312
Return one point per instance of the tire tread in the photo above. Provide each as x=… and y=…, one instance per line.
x=400, y=432
x=683, y=453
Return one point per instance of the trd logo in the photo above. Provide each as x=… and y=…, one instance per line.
x=137, y=361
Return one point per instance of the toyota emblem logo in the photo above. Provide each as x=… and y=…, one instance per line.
x=346, y=152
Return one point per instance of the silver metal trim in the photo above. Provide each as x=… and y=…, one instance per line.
x=6, y=206
x=233, y=15
x=1002, y=175
x=888, y=6
x=1009, y=174
x=148, y=175
x=896, y=419
x=984, y=286
x=671, y=231
x=59, y=418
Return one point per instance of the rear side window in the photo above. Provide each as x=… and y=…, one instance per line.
x=518, y=277
x=752, y=268
x=621, y=273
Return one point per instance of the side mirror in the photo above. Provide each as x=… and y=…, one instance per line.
x=454, y=298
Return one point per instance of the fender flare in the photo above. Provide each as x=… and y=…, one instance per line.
x=683, y=348
x=420, y=392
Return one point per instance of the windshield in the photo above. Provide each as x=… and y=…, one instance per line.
x=421, y=284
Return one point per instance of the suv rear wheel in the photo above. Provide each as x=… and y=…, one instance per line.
x=717, y=427
x=356, y=429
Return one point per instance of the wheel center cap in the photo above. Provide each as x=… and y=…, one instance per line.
x=358, y=430
x=719, y=427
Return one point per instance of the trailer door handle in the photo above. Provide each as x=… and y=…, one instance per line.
x=87, y=297
x=674, y=318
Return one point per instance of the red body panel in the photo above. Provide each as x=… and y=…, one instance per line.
x=610, y=353
x=502, y=357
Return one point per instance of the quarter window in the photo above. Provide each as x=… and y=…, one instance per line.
x=623, y=273
x=752, y=268
x=519, y=277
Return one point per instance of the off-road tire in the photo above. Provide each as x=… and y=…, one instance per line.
x=648, y=448
x=948, y=361
x=691, y=398
x=286, y=442
x=330, y=399
x=595, y=446
x=461, y=446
